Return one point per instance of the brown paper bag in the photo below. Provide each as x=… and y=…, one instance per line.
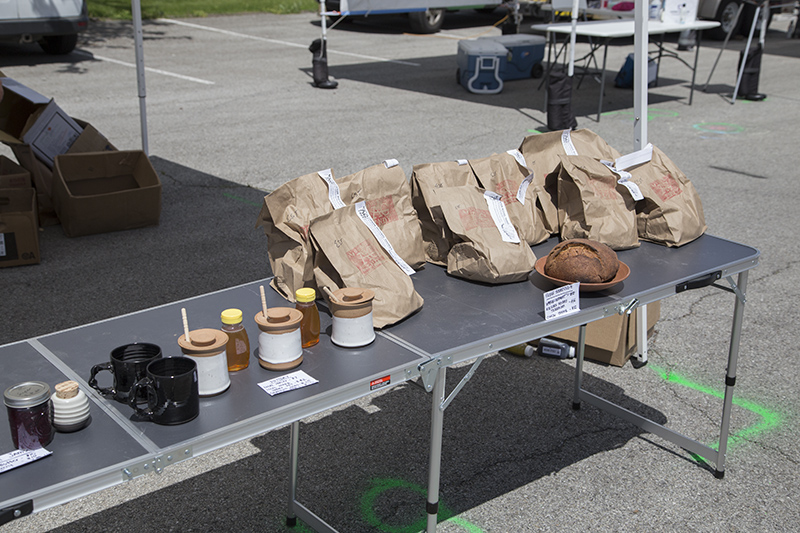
x=542, y=153
x=481, y=254
x=387, y=193
x=426, y=178
x=592, y=205
x=671, y=212
x=288, y=212
x=347, y=254
x=505, y=174
x=285, y=218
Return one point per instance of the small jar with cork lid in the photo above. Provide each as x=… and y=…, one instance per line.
x=70, y=407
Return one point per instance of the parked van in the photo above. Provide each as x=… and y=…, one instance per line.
x=53, y=24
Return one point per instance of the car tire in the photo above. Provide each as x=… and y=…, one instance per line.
x=726, y=12
x=59, y=44
x=428, y=21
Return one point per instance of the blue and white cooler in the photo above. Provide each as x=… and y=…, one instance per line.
x=525, y=55
x=481, y=65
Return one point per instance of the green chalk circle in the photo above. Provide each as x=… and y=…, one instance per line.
x=380, y=485
x=722, y=128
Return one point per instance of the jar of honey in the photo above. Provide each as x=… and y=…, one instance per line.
x=30, y=414
x=238, y=348
x=309, y=326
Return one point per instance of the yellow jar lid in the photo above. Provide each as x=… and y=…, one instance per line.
x=231, y=316
x=306, y=294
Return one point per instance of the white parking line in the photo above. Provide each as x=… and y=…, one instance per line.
x=148, y=69
x=285, y=43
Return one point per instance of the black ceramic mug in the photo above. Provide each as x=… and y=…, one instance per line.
x=128, y=364
x=170, y=387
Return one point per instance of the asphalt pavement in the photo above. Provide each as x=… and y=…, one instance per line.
x=232, y=114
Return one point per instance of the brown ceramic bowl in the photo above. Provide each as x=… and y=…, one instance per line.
x=622, y=273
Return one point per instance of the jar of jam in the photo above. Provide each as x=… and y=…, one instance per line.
x=30, y=414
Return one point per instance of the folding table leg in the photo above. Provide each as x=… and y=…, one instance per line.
x=435, y=465
x=294, y=445
x=576, y=398
x=730, y=376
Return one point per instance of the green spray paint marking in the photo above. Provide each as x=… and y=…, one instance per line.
x=769, y=419
x=381, y=485
x=245, y=200
x=652, y=114
x=722, y=128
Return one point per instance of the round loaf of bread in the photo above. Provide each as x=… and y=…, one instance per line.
x=582, y=260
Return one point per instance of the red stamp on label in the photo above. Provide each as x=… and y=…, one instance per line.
x=604, y=188
x=382, y=210
x=366, y=257
x=472, y=217
x=666, y=187
x=508, y=190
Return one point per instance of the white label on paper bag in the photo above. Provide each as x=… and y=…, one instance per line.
x=295, y=380
x=333, y=189
x=389, y=163
x=500, y=216
x=566, y=142
x=624, y=179
x=516, y=154
x=462, y=162
x=366, y=218
x=20, y=457
x=635, y=158
x=523, y=188
x=562, y=301
x=3, y=245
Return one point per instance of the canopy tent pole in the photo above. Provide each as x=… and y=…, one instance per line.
x=640, y=42
x=572, y=37
x=136, y=11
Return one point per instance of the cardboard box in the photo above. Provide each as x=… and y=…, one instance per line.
x=612, y=340
x=90, y=140
x=98, y=192
x=19, y=232
x=13, y=176
x=50, y=132
x=26, y=115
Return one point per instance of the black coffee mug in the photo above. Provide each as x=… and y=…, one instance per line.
x=170, y=387
x=128, y=364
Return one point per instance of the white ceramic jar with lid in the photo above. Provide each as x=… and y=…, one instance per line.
x=280, y=345
x=352, y=317
x=207, y=348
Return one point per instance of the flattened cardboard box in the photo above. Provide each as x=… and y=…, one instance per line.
x=98, y=192
x=19, y=232
x=13, y=176
x=612, y=340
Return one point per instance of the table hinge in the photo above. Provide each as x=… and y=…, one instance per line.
x=623, y=308
x=428, y=369
x=156, y=464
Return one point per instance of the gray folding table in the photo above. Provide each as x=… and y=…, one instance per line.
x=460, y=321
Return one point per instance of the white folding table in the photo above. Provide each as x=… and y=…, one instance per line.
x=602, y=32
